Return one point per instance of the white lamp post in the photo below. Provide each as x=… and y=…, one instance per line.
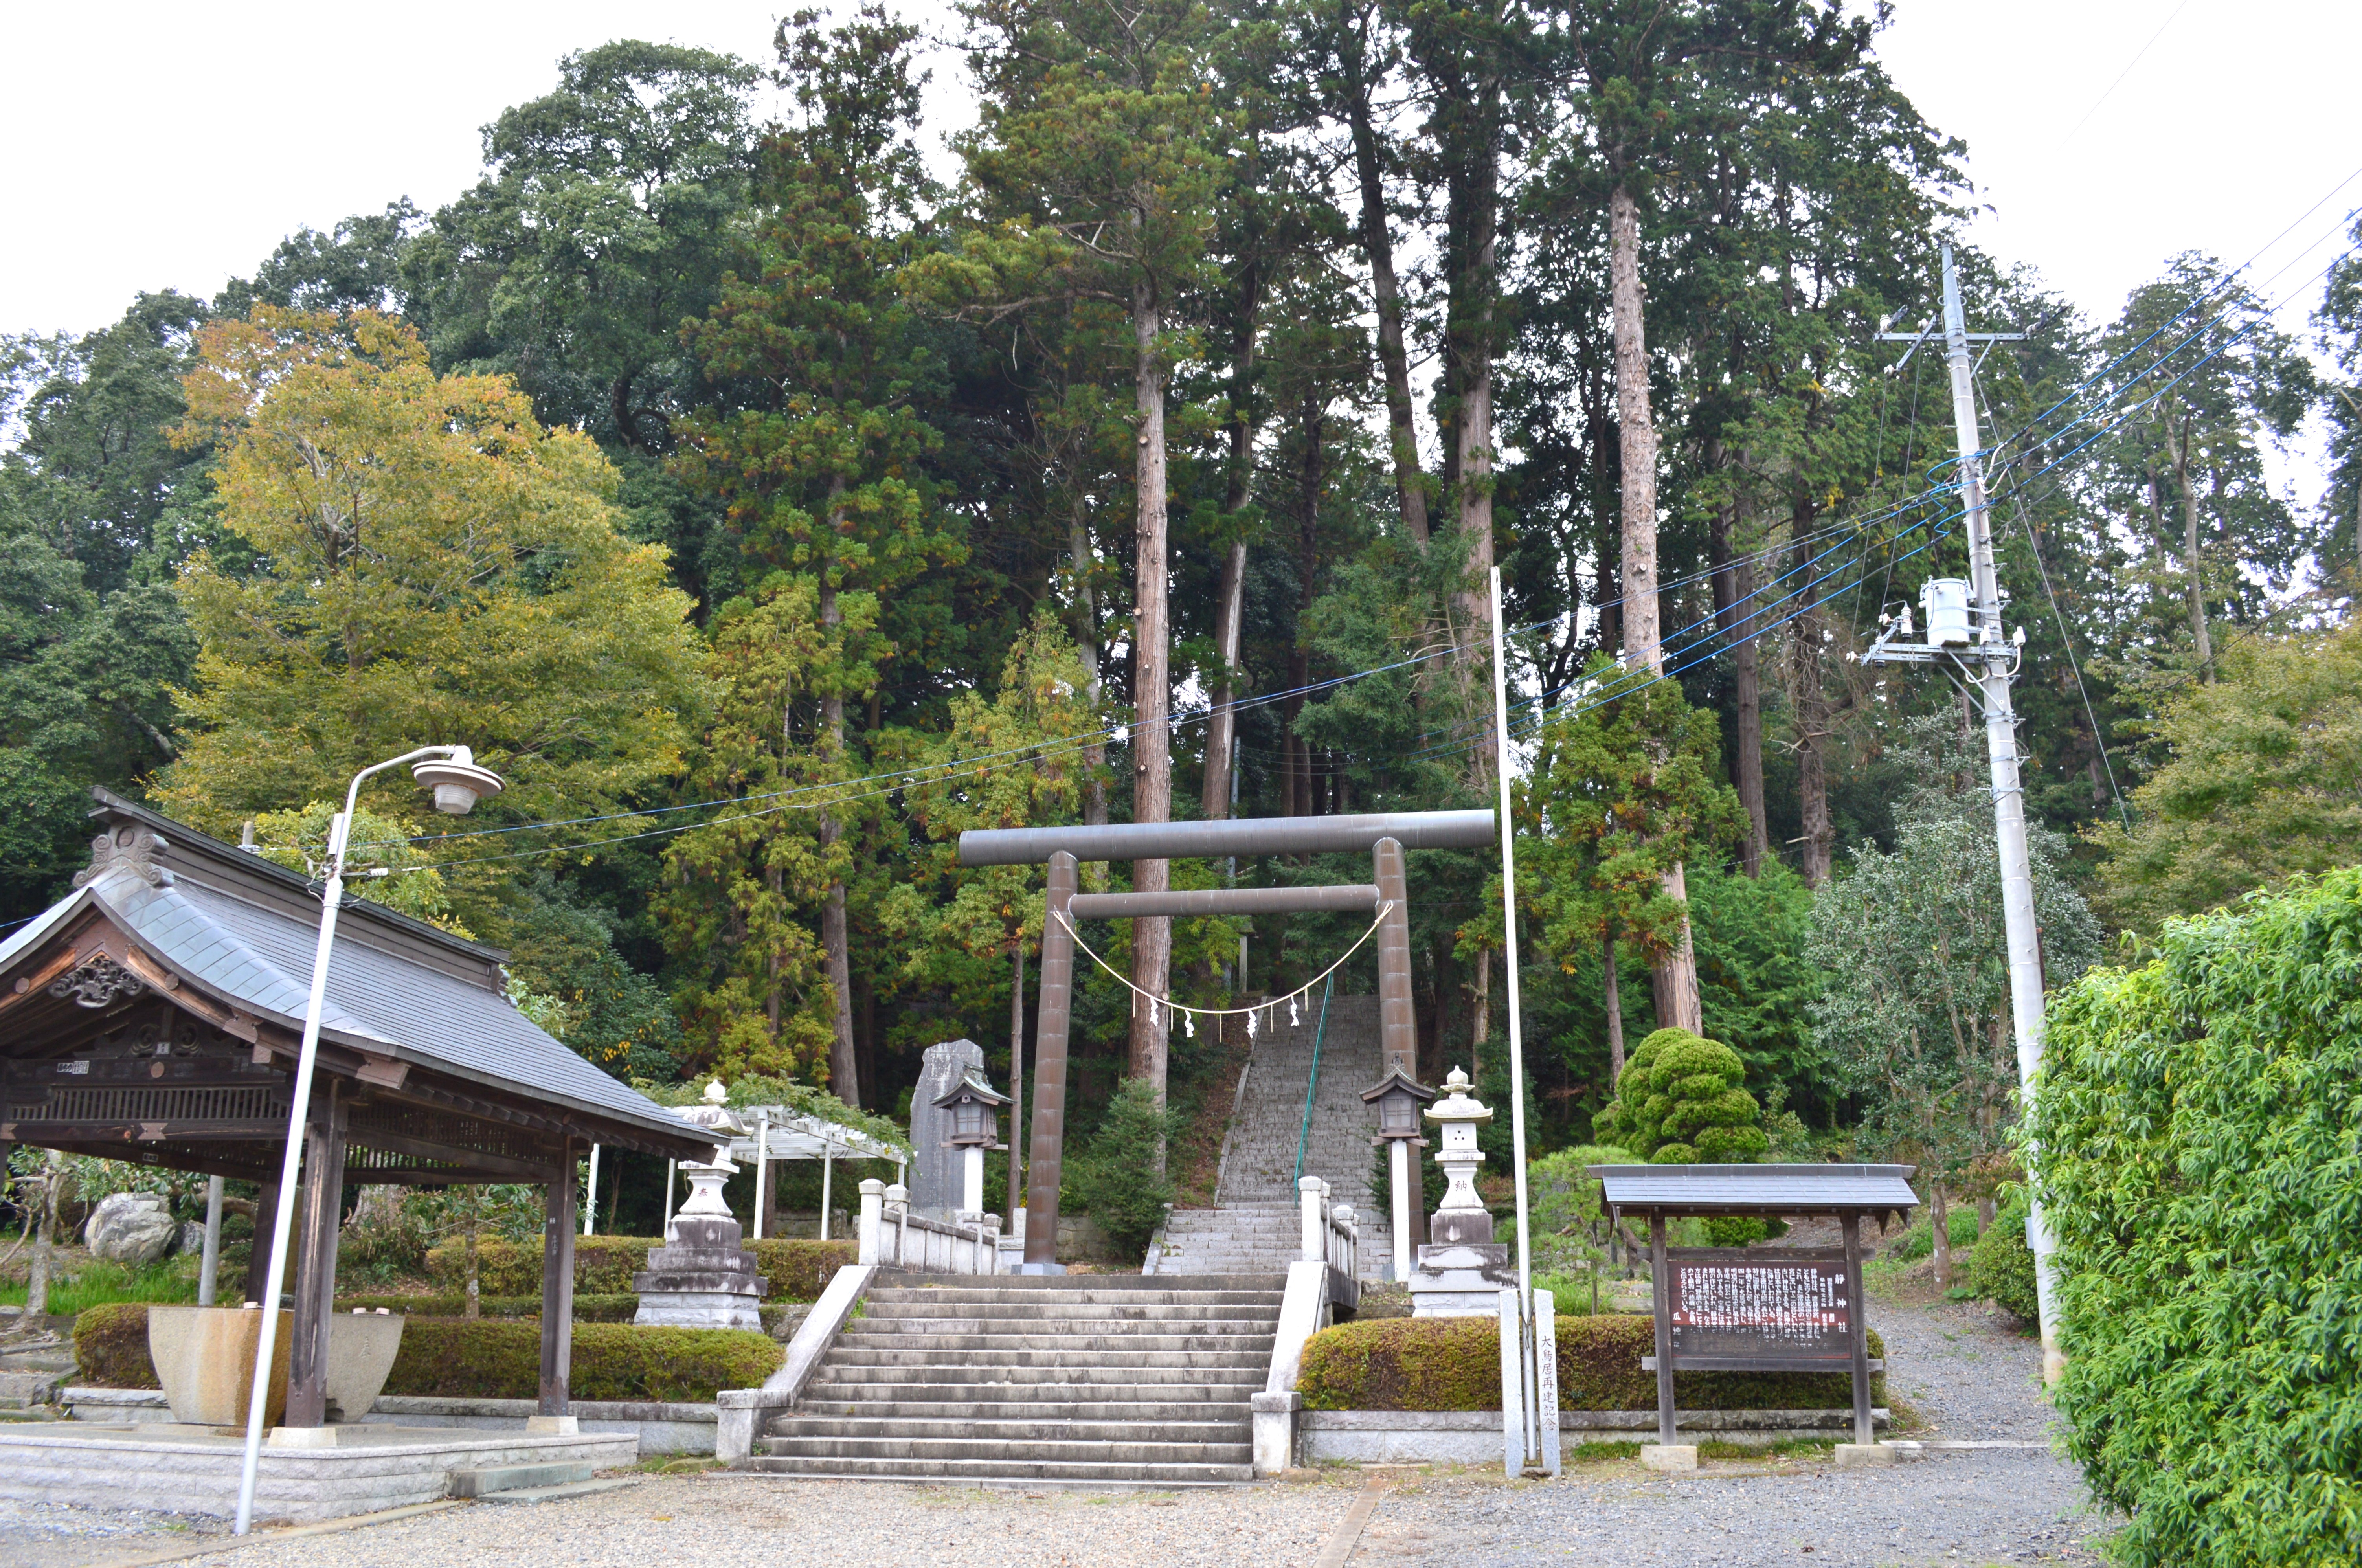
x=451, y=772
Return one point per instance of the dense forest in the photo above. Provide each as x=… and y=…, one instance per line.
x=768, y=506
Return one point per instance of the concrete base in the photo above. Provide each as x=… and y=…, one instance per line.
x=172, y=1468
x=1474, y=1437
x=1860, y=1456
x=1669, y=1456
x=1462, y=1280
x=1275, y=1432
x=658, y=1427
x=1039, y=1268
x=552, y=1425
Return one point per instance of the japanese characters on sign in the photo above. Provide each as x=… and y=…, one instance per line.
x=1725, y=1304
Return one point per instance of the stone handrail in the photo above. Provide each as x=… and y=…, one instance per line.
x=893, y=1237
x=1331, y=1234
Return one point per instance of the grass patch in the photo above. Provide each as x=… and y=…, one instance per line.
x=1786, y=1447
x=1594, y=1453
x=98, y=1284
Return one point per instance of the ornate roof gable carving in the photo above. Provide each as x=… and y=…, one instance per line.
x=127, y=847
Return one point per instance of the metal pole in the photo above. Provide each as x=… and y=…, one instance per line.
x=1517, y=1038
x=827, y=1169
x=298, y=1110
x=212, y=1258
x=672, y=1168
x=591, y=1191
x=2024, y=941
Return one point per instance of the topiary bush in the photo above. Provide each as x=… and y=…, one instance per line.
x=604, y=1266
x=1682, y=1100
x=1454, y=1363
x=2199, y=1129
x=2001, y=1269
x=587, y=1308
x=489, y=1359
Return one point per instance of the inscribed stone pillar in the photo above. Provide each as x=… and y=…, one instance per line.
x=935, y=1166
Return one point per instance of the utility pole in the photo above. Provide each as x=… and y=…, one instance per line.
x=1989, y=660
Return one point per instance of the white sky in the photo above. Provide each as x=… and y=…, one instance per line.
x=172, y=145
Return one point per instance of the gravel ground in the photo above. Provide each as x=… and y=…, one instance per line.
x=53, y=1535
x=1960, y=1373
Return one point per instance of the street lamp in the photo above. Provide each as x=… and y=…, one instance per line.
x=451, y=772
x=1399, y=1098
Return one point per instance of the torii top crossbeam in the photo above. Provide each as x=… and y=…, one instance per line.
x=1249, y=835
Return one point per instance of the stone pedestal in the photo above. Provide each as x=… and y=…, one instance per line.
x=701, y=1277
x=1462, y=1271
x=1675, y=1457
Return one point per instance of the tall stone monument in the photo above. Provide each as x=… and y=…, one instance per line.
x=701, y=1277
x=936, y=1186
x=1462, y=1271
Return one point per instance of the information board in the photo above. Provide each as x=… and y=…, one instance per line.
x=1786, y=1311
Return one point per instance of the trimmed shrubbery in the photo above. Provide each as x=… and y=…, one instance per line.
x=2001, y=1267
x=587, y=1308
x=489, y=1359
x=604, y=1266
x=2200, y=1123
x=1454, y=1363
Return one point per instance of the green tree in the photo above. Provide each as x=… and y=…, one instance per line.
x=1091, y=159
x=2256, y=784
x=1915, y=1012
x=431, y=565
x=821, y=475
x=1625, y=785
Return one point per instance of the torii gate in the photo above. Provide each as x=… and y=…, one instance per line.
x=1384, y=835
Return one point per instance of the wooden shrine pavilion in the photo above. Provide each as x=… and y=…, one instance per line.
x=154, y=1015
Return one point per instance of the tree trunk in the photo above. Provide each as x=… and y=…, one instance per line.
x=1939, y=1216
x=1674, y=976
x=1223, y=724
x=1086, y=647
x=1473, y=426
x=844, y=1074
x=1378, y=250
x=45, y=1241
x=1614, y=995
x=1479, y=1012
x=1151, y=786
x=1810, y=705
x=1734, y=589
x=2199, y=639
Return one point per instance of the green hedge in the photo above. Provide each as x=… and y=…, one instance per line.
x=2001, y=1269
x=587, y=1308
x=604, y=1266
x=488, y=1359
x=2200, y=1123
x=1454, y=1363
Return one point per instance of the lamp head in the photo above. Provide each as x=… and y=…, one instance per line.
x=456, y=782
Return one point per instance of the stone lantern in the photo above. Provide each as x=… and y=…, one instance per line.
x=1397, y=1098
x=975, y=1112
x=701, y=1277
x=1461, y=1270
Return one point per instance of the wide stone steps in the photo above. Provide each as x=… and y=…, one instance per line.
x=902, y=1405
x=1105, y=1380
x=1090, y=1474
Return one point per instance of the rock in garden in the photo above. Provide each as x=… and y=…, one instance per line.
x=131, y=1228
x=191, y=1239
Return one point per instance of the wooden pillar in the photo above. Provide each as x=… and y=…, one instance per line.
x=558, y=1288
x=1046, y=1162
x=1858, y=1330
x=1662, y=1304
x=315, y=1259
x=266, y=1215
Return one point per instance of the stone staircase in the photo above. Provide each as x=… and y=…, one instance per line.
x=29, y=1380
x=1086, y=1380
x=1255, y=1226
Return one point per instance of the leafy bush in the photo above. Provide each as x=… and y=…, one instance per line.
x=604, y=1266
x=1454, y=1363
x=587, y=1308
x=1682, y=1099
x=1119, y=1177
x=453, y=1358
x=2001, y=1269
x=2200, y=1137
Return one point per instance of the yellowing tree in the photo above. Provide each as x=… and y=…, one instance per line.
x=431, y=566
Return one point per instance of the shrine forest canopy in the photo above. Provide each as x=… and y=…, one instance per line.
x=767, y=504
